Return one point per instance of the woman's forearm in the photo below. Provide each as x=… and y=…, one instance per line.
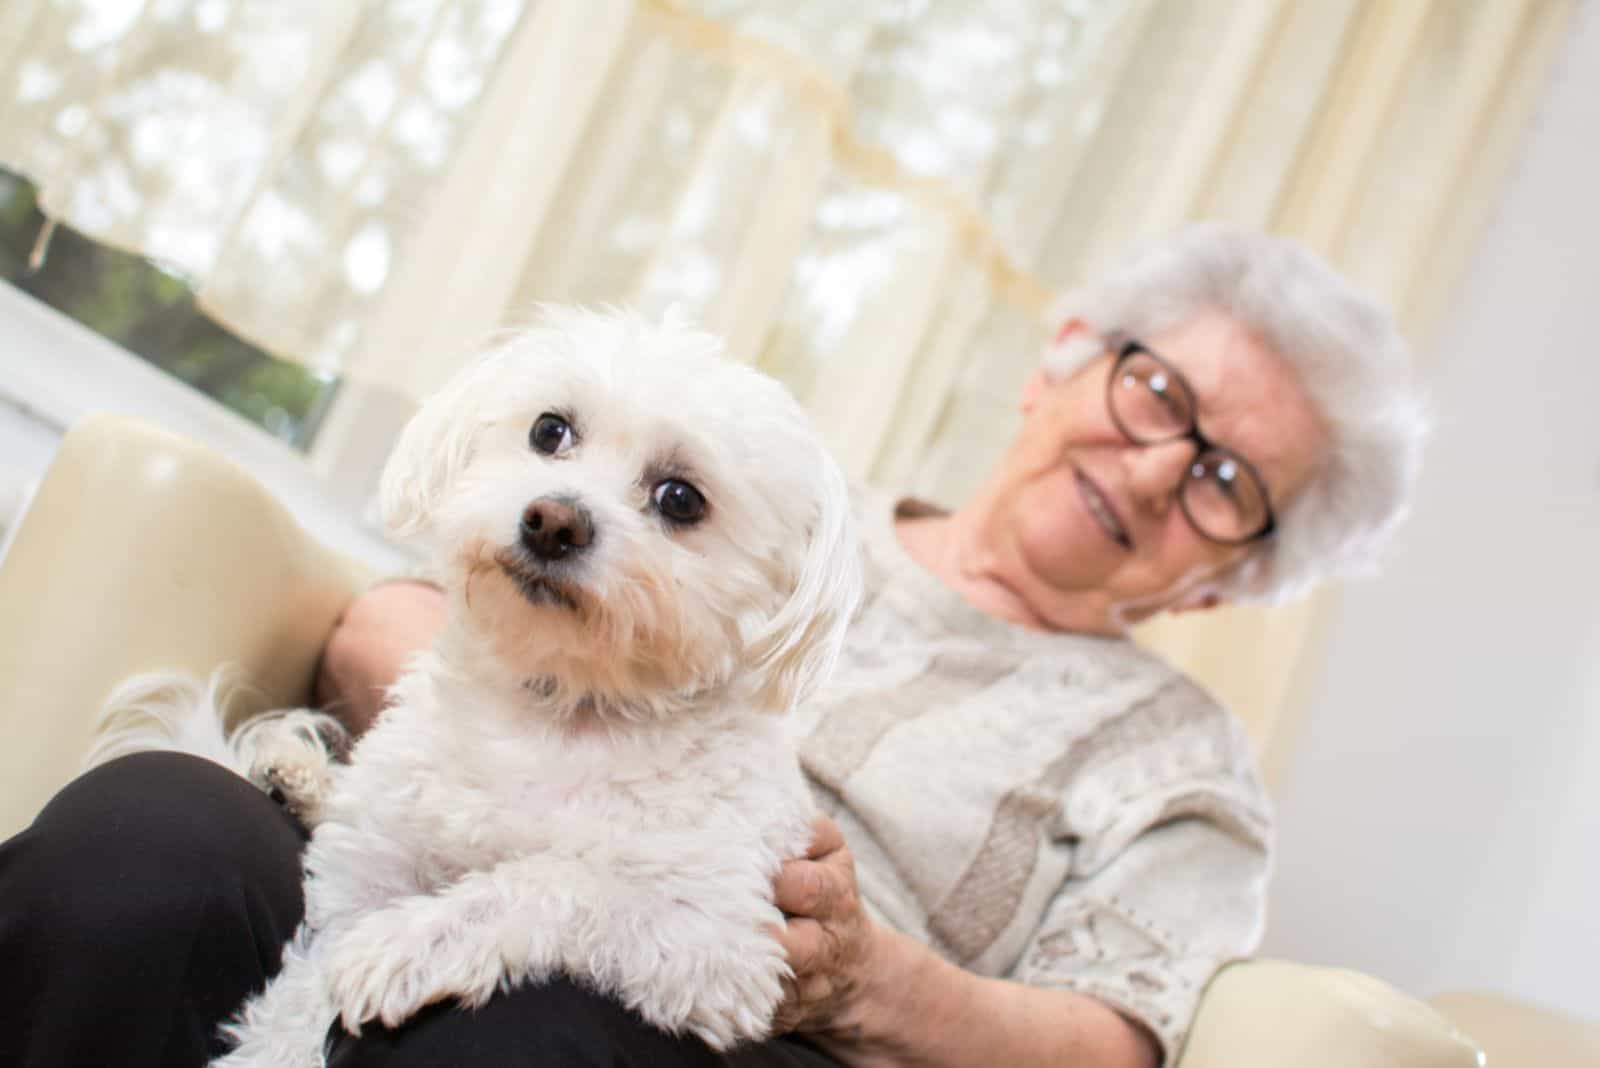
x=918, y=1010
x=378, y=633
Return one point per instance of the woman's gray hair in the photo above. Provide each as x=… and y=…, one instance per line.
x=1348, y=354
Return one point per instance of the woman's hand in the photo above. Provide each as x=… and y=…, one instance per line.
x=828, y=938
x=872, y=997
x=378, y=633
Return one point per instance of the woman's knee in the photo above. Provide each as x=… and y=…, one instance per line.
x=555, y=1023
x=150, y=897
x=149, y=843
x=558, y=1024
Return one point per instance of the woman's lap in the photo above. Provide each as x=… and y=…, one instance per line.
x=559, y=1023
x=144, y=903
x=153, y=894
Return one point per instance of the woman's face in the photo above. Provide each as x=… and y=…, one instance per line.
x=1086, y=510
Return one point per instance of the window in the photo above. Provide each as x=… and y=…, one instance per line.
x=152, y=313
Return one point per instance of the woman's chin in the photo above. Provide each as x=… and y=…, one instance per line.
x=1065, y=552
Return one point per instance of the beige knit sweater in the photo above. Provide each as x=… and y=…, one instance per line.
x=1063, y=810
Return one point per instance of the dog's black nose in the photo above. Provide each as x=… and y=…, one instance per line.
x=553, y=528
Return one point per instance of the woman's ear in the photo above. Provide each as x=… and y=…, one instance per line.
x=1075, y=343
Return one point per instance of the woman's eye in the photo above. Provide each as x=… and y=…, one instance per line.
x=1160, y=385
x=551, y=434
x=679, y=501
x=1227, y=478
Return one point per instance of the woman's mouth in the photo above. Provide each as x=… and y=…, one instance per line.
x=1101, y=509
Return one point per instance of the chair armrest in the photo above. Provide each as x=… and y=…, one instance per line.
x=1272, y=1014
x=144, y=551
x=1513, y=1033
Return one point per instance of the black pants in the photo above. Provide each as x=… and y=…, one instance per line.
x=153, y=894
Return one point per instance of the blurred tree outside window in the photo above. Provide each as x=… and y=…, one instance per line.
x=152, y=314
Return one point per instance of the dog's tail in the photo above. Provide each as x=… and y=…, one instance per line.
x=287, y=752
x=168, y=710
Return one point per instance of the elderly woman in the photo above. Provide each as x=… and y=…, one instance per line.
x=1040, y=841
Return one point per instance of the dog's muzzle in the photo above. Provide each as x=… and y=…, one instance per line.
x=534, y=582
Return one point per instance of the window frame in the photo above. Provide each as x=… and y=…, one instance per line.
x=328, y=488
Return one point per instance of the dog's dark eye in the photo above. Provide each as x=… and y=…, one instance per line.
x=679, y=501
x=551, y=434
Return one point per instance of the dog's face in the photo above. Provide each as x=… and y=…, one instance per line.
x=624, y=514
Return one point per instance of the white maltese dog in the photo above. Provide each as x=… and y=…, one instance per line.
x=648, y=558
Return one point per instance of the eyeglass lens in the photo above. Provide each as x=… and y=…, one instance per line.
x=1151, y=403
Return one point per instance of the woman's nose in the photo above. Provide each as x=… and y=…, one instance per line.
x=1156, y=471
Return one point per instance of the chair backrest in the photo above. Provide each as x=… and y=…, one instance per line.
x=144, y=551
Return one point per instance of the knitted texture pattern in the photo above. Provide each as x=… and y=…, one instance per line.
x=1063, y=810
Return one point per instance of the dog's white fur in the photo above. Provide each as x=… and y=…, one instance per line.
x=288, y=753
x=585, y=775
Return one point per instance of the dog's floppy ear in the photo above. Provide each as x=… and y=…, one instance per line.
x=432, y=450
x=797, y=648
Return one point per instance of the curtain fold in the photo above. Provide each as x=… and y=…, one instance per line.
x=872, y=201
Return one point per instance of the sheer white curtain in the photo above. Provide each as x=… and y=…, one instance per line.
x=857, y=194
x=872, y=199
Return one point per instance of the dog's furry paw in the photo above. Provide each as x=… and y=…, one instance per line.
x=392, y=963
x=298, y=787
x=725, y=994
x=292, y=758
x=376, y=973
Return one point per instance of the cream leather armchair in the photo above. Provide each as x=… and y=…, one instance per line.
x=143, y=551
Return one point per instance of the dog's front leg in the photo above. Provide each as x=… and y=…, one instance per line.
x=284, y=1025
x=465, y=941
x=716, y=970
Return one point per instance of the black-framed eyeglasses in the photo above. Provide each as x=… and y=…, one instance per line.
x=1222, y=496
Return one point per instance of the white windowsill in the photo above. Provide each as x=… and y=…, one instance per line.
x=61, y=371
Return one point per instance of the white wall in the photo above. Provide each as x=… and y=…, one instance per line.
x=26, y=444
x=1441, y=807
x=27, y=441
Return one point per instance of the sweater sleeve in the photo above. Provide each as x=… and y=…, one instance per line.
x=1147, y=932
x=1171, y=833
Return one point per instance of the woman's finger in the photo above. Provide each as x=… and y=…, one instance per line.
x=806, y=888
x=815, y=987
x=825, y=838
x=804, y=945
